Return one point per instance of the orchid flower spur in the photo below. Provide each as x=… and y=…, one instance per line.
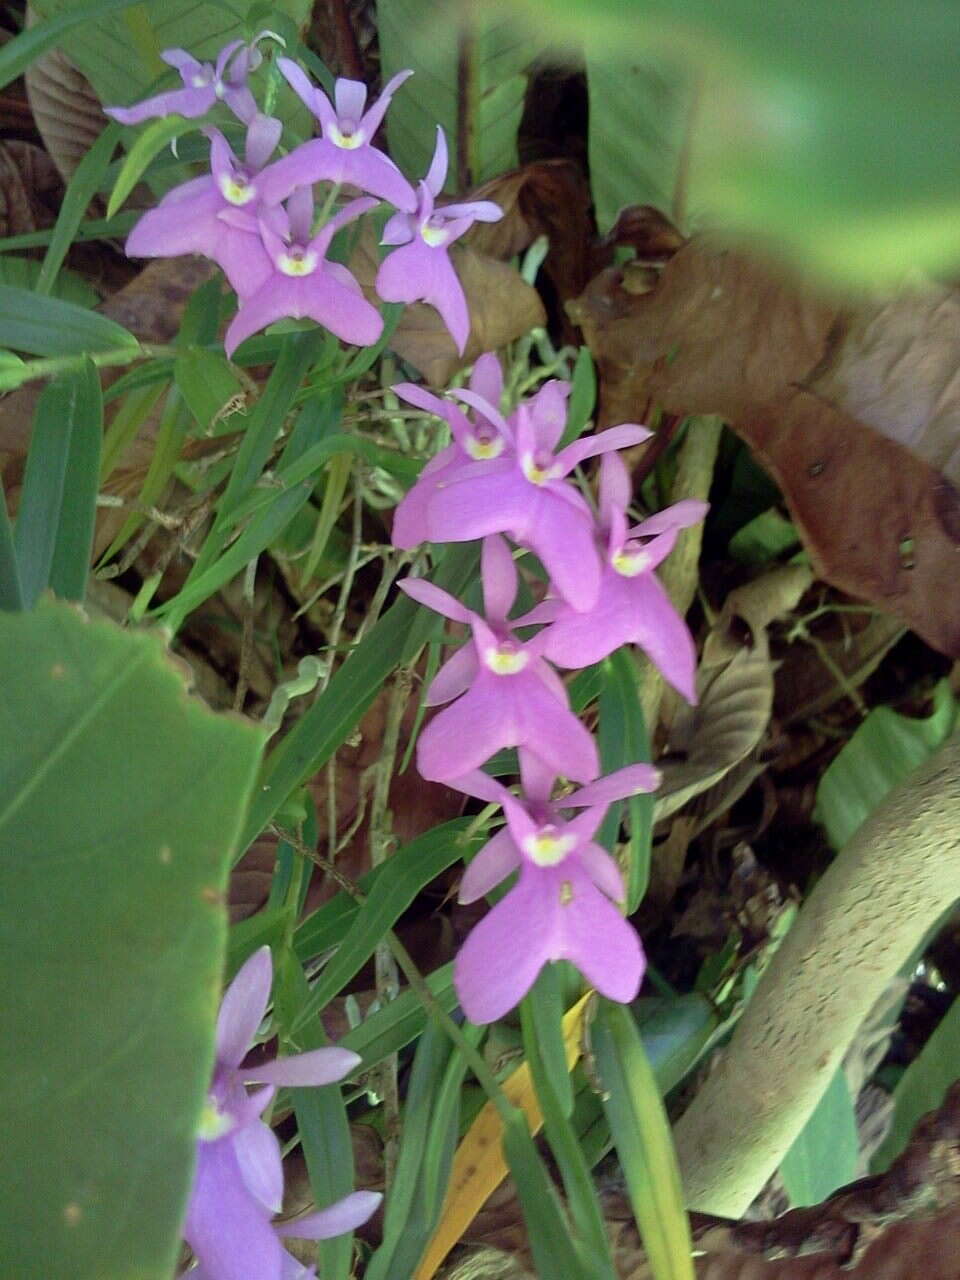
x=503, y=694
x=632, y=606
x=473, y=441
x=301, y=281
x=204, y=84
x=562, y=906
x=190, y=218
x=524, y=493
x=238, y=1183
x=420, y=271
x=345, y=152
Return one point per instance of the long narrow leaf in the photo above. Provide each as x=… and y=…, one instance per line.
x=78, y=508
x=11, y=594
x=49, y=327
x=642, y=1136
x=623, y=739
x=84, y=185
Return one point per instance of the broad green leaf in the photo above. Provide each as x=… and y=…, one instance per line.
x=640, y=106
x=882, y=751
x=825, y=1153
x=82, y=426
x=24, y=273
x=25, y=48
x=921, y=1087
x=83, y=186
x=469, y=79
x=642, y=1136
x=48, y=327
x=116, y=836
x=823, y=126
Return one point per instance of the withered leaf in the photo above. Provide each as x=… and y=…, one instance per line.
x=30, y=188
x=724, y=333
x=66, y=111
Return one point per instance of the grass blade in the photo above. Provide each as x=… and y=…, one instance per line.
x=84, y=185
x=623, y=740
x=644, y=1143
x=78, y=508
x=11, y=594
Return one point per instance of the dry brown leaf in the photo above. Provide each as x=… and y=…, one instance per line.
x=66, y=110
x=724, y=333
x=502, y=307
x=30, y=189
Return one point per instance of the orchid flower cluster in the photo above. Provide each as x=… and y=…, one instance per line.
x=507, y=476
x=238, y=1183
x=256, y=218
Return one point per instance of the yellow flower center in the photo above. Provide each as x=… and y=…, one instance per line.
x=630, y=562
x=483, y=449
x=348, y=141
x=298, y=262
x=547, y=847
x=237, y=190
x=506, y=659
x=214, y=1123
x=539, y=468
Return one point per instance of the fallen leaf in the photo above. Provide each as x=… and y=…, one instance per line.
x=726, y=333
x=66, y=111
x=30, y=189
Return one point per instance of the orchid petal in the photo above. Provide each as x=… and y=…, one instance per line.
x=300, y=216
x=336, y=1220
x=469, y=731
x=486, y=380
x=399, y=228
x=225, y=1226
x=486, y=408
x=495, y=861
x=681, y=515
x=437, y=173
x=418, y=272
x=349, y=213
x=481, y=786
x=602, y=870
x=498, y=573
x=663, y=635
x=455, y=676
x=600, y=942
x=589, y=446
x=633, y=779
x=243, y=1006
x=314, y=99
x=185, y=102
x=319, y=1066
x=495, y=500
x=374, y=117
x=502, y=955
x=551, y=731
x=349, y=97
x=437, y=599
x=472, y=211
x=547, y=412
x=537, y=779
x=260, y=1163
x=616, y=488
x=564, y=541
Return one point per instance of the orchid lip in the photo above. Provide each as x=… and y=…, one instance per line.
x=348, y=139
x=539, y=469
x=506, y=659
x=201, y=81
x=237, y=191
x=298, y=262
x=481, y=449
x=434, y=236
x=630, y=560
x=547, y=847
x=214, y=1123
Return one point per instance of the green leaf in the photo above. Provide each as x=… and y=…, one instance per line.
x=826, y=1152
x=150, y=141
x=921, y=1087
x=883, y=750
x=207, y=384
x=642, y=1136
x=402, y=878
x=120, y=57
x=116, y=838
x=24, y=273
x=544, y=1006
x=25, y=48
x=82, y=427
x=623, y=740
x=639, y=117
x=11, y=592
x=469, y=79
x=584, y=1208
x=64, y=449
x=49, y=327
x=83, y=186
x=397, y=637
x=823, y=126
x=401, y=1021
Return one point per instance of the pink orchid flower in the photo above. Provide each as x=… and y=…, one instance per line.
x=204, y=84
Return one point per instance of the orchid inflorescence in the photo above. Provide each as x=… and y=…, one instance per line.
x=502, y=476
x=254, y=217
